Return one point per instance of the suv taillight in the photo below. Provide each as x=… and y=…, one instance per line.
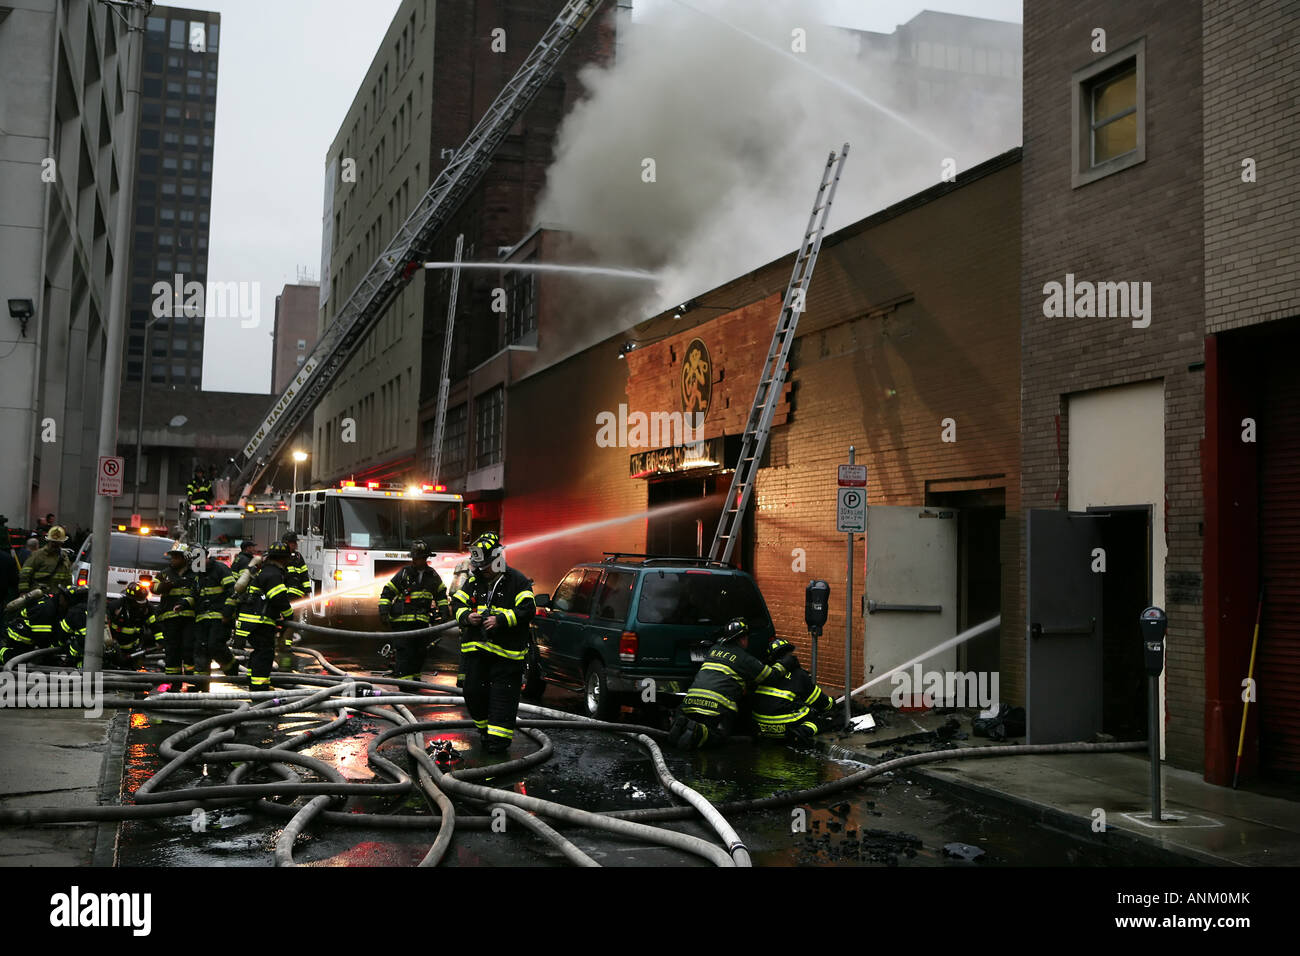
x=81, y=578
x=627, y=646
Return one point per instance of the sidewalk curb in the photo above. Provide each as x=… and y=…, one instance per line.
x=1039, y=812
x=110, y=789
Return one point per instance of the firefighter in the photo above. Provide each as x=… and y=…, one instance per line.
x=215, y=585
x=789, y=706
x=247, y=552
x=413, y=598
x=49, y=567
x=708, y=712
x=132, y=625
x=297, y=581
x=263, y=609
x=199, y=490
x=72, y=625
x=176, y=587
x=34, y=624
x=494, y=608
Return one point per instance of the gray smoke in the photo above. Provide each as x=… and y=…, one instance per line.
x=739, y=133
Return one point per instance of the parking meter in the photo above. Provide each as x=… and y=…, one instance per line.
x=1153, y=624
x=816, y=601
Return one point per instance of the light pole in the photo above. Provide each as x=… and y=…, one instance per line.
x=124, y=143
x=298, y=456
x=139, y=421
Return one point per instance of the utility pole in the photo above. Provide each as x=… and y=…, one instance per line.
x=135, y=13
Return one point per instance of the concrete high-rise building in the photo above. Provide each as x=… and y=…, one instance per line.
x=63, y=85
x=173, y=192
x=295, y=331
x=423, y=94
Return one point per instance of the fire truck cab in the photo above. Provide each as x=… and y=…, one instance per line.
x=356, y=536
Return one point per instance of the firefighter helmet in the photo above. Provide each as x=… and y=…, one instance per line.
x=290, y=537
x=176, y=548
x=485, y=550
x=736, y=630
x=74, y=594
x=57, y=535
x=778, y=649
x=419, y=550
x=136, y=593
x=279, y=551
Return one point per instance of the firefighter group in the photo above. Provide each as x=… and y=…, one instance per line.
x=203, y=603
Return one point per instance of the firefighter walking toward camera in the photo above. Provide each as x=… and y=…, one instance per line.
x=264, y=608
x=494, y=608
x=215, y=584
x=175, y=586
x=708, y=712
x=413, y=598
x=789, y=706
x=49, y=567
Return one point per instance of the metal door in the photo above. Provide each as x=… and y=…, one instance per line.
x=911, y=589
x=1063, y=652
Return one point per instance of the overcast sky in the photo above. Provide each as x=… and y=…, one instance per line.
x=288, y=72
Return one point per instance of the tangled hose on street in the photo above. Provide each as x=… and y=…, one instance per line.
x=456, y=799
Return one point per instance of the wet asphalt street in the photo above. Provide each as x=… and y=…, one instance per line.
x=895, y=821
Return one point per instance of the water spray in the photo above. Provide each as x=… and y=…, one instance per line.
x=961, y=638
x=612, y=272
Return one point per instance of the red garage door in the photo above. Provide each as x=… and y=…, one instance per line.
x=1278, y=664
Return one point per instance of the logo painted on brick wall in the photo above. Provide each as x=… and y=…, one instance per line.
x=697, y=379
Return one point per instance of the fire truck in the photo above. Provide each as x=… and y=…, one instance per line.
x=222, y=527
x=358, y=535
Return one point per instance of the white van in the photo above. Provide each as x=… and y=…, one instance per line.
x=132, y=557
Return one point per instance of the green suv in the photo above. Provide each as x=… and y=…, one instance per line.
x=611, y=624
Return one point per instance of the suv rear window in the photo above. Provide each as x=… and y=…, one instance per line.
x=692, y=597
x=141, y=553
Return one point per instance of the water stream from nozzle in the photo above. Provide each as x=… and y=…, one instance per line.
x=612, y=272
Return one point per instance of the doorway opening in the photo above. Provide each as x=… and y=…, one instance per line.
x=1125, y=592
x=979, y=570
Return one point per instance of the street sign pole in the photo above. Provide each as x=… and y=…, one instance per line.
x=848, y=627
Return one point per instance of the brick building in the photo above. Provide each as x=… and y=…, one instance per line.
x=910, y=320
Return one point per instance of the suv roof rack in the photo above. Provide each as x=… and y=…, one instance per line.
x=613, y=556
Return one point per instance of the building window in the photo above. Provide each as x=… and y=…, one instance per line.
x=214, y=32
x=177, y=41
x=453, y=441
x=489, y=409
x=1110, y=114
x=521, y=315
x=166, y=239
x=300, y=360
x=156, y=26
x=198, y=36
x=173, y=87
x=167, y=214
x=169, y=164
x=172, y=112
x=302, y=343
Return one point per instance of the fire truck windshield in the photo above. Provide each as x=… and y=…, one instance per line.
x=391, y=524
x=221, y=531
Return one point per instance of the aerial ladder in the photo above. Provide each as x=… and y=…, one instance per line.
x=771, y=380
x=444, y=379
x=394, y=268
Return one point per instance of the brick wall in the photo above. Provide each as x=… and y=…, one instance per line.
x=1140, y=224
x=1252, y=230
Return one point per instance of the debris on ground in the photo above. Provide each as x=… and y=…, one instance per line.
x=962, y=851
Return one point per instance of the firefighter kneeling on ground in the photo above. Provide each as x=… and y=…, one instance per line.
x=265, y=607
x=413, y=598
x=494, y=608
x=708, y=712
x=132, y=627
x=34, y=621
x=789, y=707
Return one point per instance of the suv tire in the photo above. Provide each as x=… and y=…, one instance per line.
x=596, y=699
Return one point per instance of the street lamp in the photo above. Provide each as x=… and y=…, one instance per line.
x=298, y=456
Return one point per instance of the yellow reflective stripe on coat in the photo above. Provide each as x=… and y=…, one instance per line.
x=522, y=595
x=713, y=696
x=722, y=668
x=472, y=646
x=775, y=692
x=503, y=651
x=790, y=718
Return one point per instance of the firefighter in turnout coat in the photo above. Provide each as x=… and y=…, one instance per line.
x=413, y=598
x=494, y=608
x=265, y=606
x=708, y=712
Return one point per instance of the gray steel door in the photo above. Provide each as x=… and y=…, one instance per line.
x=1063, y=655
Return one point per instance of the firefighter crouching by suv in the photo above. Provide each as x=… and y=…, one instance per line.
x=176, y=587
x=297, y=581
x=264, y=608
x=72, y=626
x=708, y=712
x=789, y=707
x=413, y=598
x=34, y=622
x=215, y=583
x=494, y=608
x=132, y=626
